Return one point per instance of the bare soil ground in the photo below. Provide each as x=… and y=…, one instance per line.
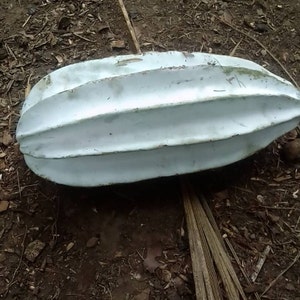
x=130, y=241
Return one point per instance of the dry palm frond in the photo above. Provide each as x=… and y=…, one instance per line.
x=208, y=253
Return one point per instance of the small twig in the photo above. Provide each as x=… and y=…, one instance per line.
x=19, y=186
x=296, y=226
x=229, y=245
x=140, y=255
x=83, y=38
x=19, y=264
x=260, y=263
x=130, y=27
x=235, y=48
x=281, y=274
x=8, y=49
x=27, y=20
x=279, y=207
x=263, y=46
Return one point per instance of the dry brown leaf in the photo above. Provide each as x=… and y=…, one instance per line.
x=2, y=164
x=227, y=17
x=150, y=263
x=144, y=295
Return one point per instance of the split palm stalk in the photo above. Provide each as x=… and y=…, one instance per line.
x=209, y=257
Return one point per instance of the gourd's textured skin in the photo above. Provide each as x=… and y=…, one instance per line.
x=134, y=117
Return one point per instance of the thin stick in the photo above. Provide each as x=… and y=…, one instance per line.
x=130, y=27
x=263, y=46
x=281, y=274
x=19, y=186
x=19, y=264
x=83, y=38
x=260, y=263
x=229, y=245
x=235, y=48
x=27, y=20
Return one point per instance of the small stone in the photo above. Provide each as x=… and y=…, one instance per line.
x=291, y=151
x=6, y=138
x=34, y=249
x=92, y=242
x=4, y=205
x=249, y=22
x=261, y=27
x=31, y=10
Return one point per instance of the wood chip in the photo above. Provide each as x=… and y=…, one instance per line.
x=117, y=44
x=282, y=178
x=70, y=246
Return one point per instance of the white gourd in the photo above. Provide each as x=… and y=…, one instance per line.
x=128, y=118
